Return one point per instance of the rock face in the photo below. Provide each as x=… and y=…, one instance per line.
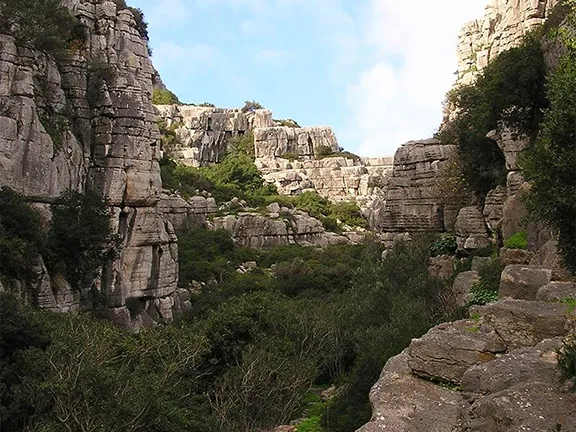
x=109, y=140
x=471, y=230
x=301, y=142
x=204, y=132
x=337, y=178
x=516, y=390
x=504, y=24
x=414, y=199
x=281, y=227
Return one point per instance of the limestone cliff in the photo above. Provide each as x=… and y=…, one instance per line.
x=88, y=121
x=504, y=24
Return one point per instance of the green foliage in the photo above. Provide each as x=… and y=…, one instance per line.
x=486, y=290
x=291, y=156
x=509, y=92
x=251, y=106
x=164, y=97
x=288, y=123
x=45, y=24
x=55, y=124
x=323, y=151
x=344, y=154
x=348, y=213
x=549, y=165
x=567, y=363
x=20, y=236
x=207, y=105
x=444, y=245
x=168, y=138
x=243, y=144
x=517, y=241
x=80, y=240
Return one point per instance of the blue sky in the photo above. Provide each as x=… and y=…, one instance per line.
x=374, y=70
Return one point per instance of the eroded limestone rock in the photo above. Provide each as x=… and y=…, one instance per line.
x=523, y=281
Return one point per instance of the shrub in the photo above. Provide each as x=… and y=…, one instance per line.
x=444, y=245
x=20, y=236
x=288, y=123
x=549, y=165
x=508, y=93
x=567, y=363
x=80, y=240
x=243, y=144
x=44, y=24
x=486, y=290
x=291, y=156
x=322, y=151
x=164, y=97
x=348, y=213
x=251, y=106
x=517, y=241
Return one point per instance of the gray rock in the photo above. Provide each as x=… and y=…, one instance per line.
x=462, y=284
x=402, y=402
x=522, y=323
x=514, y=213
x=471, y=231
x=557, y=291
x=514, y=256
x=441, y=266
x=523, y=281
x=519, y=366
x=449, y=349
x=479, y=262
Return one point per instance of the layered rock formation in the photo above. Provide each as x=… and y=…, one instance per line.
x=302, y=143
x=204, y=132
x=415, y=200
x=504, y=24
x=85, y=122
x=498, y=370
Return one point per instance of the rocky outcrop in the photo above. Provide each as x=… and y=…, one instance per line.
x=471, y=233
x=504, y=24
x=185, y=212
x=414, y=198
x=88, y=121
x=280, y=226
x=203, y=133
x=300, y=142
x=337, y=178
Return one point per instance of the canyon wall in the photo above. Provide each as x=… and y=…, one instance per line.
x=87, y=121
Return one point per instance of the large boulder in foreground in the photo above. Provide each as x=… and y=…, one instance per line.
x=404, y=403
x=448, y=350
x=523, y=281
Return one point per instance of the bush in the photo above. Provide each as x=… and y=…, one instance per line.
x=549, y=165
x=567, y=363
x=288, y=123
x=444, y=245
x=517, y=241
x=322, y=151
x=45, y=24
x=20, y=236
x=486, y=290
x=164, y=97
x=80, y=240
x=250, y=106
x=509, y=94
x=243, y=144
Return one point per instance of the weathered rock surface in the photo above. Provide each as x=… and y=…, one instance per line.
x=181, y=212
x=555, y=291
x=514, y=213
x=287, y=227
x=449, y=349
x=523, y=281
x=415, y=201
x=204, y=132
x=301, y=142
x=522, y=323
x=462, y=285
x=402, y=402
x=441, y=266
x=109, y=141
x=493, y=205
x=514, y=256
x=471, y=231
x=504, y=24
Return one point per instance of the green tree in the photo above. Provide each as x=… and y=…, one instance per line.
x=80, y=240
x=549, y=165
x=164, y=97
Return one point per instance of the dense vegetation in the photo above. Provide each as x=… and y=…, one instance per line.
x=303, y=317
x=549, y=165
x=44, y=24
x=163, y=97
x=510, y=94
x=77, y=243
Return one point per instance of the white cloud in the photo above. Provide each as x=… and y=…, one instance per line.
x=273, y=56
x=413, y=57
x=168, y=13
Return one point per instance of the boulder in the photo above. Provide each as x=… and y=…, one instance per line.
x=402, y=402
x=514, y=256
x=441, y=266
x=523, y=365
x=555, y=291
x=514, y=213
x=449, y=349
x=462, y=284
x=523, y=281
x=471, y=231
x=522, y=323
